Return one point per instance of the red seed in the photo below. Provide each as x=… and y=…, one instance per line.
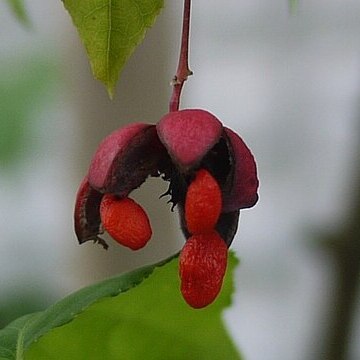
x=125, y=221
x=203, y=203
x=202, y=266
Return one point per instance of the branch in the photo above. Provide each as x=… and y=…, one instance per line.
x=183, y=70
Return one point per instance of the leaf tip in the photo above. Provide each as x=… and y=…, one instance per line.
x=111, y=91
x=110, y=87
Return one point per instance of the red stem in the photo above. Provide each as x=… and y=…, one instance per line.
x=183, y=70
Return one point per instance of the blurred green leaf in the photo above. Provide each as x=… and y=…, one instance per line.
x=18, y=8
x=151, y=321
x=24, y=87
x=21, y=299
x=110, y=31
x=293, y=5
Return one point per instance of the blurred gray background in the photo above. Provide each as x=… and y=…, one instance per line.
x=288, y=84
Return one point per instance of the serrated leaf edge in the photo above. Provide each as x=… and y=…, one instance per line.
x=24, y=340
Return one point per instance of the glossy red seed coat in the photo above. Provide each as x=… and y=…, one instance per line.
x=203, y=203
x=125, y=221
x=202, y=266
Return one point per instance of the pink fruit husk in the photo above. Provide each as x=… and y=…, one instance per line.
x=188, y=135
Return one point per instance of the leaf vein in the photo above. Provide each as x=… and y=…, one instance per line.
x=85, y=16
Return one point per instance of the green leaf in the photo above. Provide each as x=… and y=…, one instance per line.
x=105, y=321
x=26, y=86
x=18, y=8
x=293, y=5
x=110, y=31
x=21, y=333
x=9, y=336
x=151, y=322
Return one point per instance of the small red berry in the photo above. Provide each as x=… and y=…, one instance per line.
x=125, y=221
x=203, y=203
x=202, y=266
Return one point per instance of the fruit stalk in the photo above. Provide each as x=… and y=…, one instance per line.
x=183, y=70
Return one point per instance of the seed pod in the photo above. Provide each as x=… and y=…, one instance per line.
x=240, y=189
x=125, y=159
x=188, y=135
x=87, y=214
